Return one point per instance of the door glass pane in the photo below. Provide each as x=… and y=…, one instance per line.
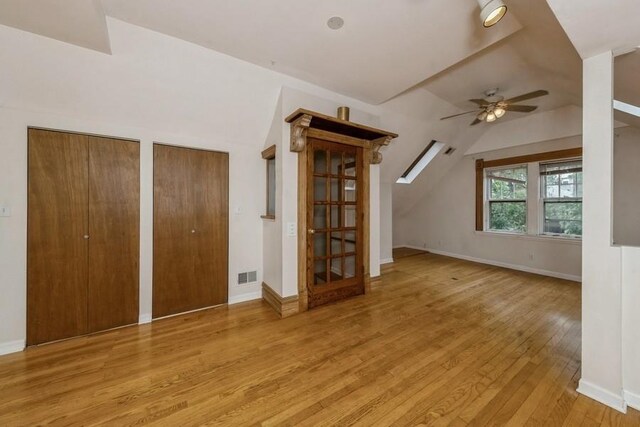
x=320, y=272
x=350, y=190
x=336, y=163
x=336, y=190
x=350, y=164
x=336, y=269
x=349, y=216
x=335, y=216
x=350, y=241
x=320, y=189
x=349, y=266
x=336, y=243
x=320, y=217
x=320, y=161
x=320, y=244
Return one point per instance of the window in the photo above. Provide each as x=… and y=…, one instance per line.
x=561, y=185
x=270, y=156
x=423, y=159
x=507, y=199
x=536, y=194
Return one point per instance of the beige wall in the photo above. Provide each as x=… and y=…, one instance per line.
x=444, y=221
x=626, y=186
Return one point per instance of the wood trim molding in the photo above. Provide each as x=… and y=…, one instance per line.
x=481, y=165
x=285, y=307
x=376, y=145
x=539, y=157
x=298, y=133
x=269, y=153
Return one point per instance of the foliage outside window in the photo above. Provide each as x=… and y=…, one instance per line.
x=561, y=185
x=507, y=199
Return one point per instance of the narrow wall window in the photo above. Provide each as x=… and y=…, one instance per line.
x=270, y=156
x=561, y=185
x=507, y=199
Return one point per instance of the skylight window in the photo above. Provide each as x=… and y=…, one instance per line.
x=421, y=162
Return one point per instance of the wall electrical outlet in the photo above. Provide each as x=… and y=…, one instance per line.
x=5, y=211
x=291, y=229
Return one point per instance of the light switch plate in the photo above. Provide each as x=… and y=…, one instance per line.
x=291, y=229
x=5, y=211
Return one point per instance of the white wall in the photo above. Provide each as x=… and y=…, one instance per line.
x=626, y=178
x=444, y=222
x=630, y=322
x=601, y=269
x=153, y=88
x=386, y=222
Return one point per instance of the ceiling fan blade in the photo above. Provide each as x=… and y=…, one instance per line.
x=480, y=102
x=475, y=122
x=461, y=114
x=520, y=108
x=530, y=95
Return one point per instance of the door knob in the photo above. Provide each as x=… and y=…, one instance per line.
x=86, y=236
x=193, y=231
x=311, y=231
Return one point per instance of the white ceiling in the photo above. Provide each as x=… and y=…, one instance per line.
x=384, y=48
x=79, y=22
x=596, y=26
x=538, y=57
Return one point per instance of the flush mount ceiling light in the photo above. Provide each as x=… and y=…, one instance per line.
x=491, y=11
x=335, y=22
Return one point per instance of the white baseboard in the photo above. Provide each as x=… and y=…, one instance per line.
x=603, y=396
x=144, y=318
x=249, y=296
x=502, y=264
x=11, y=347
x=632, y=399
x=386, y=261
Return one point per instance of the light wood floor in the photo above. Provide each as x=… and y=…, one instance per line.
x=437, y=342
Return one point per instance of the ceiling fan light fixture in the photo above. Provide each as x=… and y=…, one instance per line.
x=482, y=116
x=491, y=12
x=499, y=112
x=491, y=117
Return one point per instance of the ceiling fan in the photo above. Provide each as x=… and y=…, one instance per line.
x=494, y=106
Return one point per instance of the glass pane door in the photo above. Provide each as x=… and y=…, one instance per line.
x=334, y=195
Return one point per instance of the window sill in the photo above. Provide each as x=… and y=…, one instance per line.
x=539, y=237
x=268, y=217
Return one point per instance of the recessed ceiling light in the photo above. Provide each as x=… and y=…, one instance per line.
x=335, y=22
x=491, y=11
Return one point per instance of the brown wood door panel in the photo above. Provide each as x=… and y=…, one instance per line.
x=114, y=230
x=335, y=215
x=211, y=213
x=57, y=223
x=190, y=229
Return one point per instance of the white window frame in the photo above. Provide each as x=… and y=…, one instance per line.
x=534, y=202
x=487, y=200
x=542, y=198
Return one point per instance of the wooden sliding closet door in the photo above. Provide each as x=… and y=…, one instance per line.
x=57, y=236
x=190, y=232
x=114, y=218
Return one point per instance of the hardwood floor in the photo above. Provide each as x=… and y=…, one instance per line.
x=438, y=341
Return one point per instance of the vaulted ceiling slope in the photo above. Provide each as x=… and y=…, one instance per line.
x=79, y=22
x=384, y=48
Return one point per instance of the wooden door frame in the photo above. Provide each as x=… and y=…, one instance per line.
x=303, y=126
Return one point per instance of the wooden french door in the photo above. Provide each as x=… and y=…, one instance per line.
x=190, y=229
x=335, y=215
x=82, y=234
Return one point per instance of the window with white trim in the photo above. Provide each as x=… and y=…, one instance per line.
x=561, y=188
x=507, y=199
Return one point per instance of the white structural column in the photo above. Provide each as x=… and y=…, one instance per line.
x=601, y=267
